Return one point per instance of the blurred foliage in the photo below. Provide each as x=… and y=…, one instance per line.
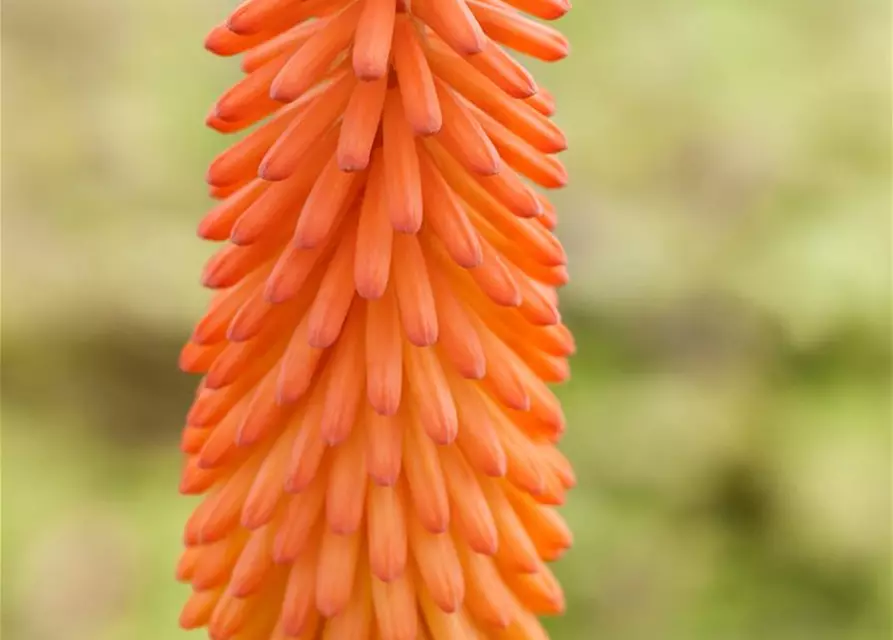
x=728, y=224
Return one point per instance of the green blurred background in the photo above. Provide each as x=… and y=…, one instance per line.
x=728, y=224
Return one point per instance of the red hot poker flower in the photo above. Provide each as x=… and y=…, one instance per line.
x=374, y=435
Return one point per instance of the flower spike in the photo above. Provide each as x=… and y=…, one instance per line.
x=374, y=436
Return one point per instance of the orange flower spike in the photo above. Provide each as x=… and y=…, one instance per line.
x=375, y=436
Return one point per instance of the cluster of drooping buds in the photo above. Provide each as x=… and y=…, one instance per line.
x=374, y=433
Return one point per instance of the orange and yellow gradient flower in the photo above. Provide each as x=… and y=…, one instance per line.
x=374, y=434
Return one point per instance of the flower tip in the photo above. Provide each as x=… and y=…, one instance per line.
x=512, y=301
x=276, y=294
x=430, y=126
x=351, y=163
x=409, y=224
x=444, y=435
x=561, y=50
x=209, y=230
x=562, y=276
x=333, y=436
x=370, y=289
x=281, y=92
x=199, y=337
x=388, y=571
x=492, y=167
x=213, y=120
x=241, y=22
x=450, y=601
x=558, y=10
x=472, y=49
x=191, y=441
x=272, y=172
x=190, y=620
x=527, y=91
x=241, y=238
x=470, y=260
x=384, y=401
x=296, y=483
x=498, y=466
x=187, y=360
x=367, y=69
x=212, y=176
x=475, y=370
x=559, y=605
x=321, y=337
x=518, y=402
x=559, y=177
x=423, y=336
x=253, y=518
x=304, y=241
x=210, y=280
x=384, y=480
x=188, y=487
x=327, y=608
x=558, y=257
x=248, y=433
x=470, y=43
x=213, y=44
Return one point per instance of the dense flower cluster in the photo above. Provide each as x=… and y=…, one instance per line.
x=374, y=434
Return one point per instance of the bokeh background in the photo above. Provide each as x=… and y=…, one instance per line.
x=728, y=224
